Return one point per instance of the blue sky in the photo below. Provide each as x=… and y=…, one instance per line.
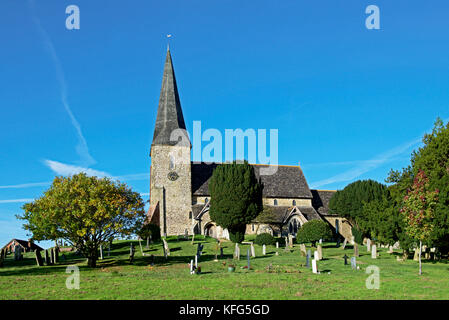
x=349, y=103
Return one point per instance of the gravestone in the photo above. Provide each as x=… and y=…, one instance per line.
x=302, y=248
x=346, y=259
x=390, y=249
x=368, y=245
x=196, y=262
x=264, y=250
x=101, y=252
x=56, y=253
x=166, y=248
x=277, y=245
x=314, y=266
x=237, y=252
x=320, y=252
x=373, y=251
x=416, y=255
x=52, y=257
x=286, y=244
x=353, y=263
x=131, y=253
x=39, y=261
x=344, y=244
x=253, y=251
x=18, y=253
x=316, y=255
x=290, y=240
x=356, y=250
x=191, y=266
x=352, y=240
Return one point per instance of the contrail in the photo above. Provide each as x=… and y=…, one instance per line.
x=81, y=149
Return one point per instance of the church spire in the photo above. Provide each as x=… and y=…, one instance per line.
x=169, y=113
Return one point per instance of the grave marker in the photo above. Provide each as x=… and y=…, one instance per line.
x=101, y=252
x=253, y=251
x=314, y=266
x=316, y=255
x=346, y=259
x=131, y=253
x=309, y=255
x=264, y=250
x=356, y=250
x=373, y=251
x=302, y=248
x=39, y=261
x=368, y=245
x=320, y=252
x=353, y=263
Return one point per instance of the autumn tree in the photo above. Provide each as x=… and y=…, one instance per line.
x=418, y=210
x=85, y=212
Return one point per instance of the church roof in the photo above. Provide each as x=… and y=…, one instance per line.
x=286, y=182
x=320, y=200
x=169, y=113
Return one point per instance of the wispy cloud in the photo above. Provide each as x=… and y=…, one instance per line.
x=368, y=165
x=81, y=148
x=63, y=169
x=26, y=185
x=16, y=200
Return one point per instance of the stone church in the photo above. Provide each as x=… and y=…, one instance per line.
x=179, y=193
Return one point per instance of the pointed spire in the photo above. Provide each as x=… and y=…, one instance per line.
x=169, y=113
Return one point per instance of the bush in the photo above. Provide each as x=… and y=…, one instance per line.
x=358, y=235
x=237, y=237
x=312, y=231
x=265, y=239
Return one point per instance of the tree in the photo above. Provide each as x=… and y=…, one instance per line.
x=236, y=197
x=85, y=212
x=312, y=231
x=150, y=230
x=418, y=210
x=349, y=202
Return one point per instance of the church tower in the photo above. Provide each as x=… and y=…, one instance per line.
x=170, y=177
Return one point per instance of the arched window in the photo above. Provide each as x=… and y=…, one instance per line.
x=206, y=200
x=294, y=202
x=275, y=202
x=190, y=214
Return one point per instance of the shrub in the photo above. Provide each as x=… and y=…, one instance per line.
x=312, y=231
x=237, y=237
x=264, y=239
x=358, y=235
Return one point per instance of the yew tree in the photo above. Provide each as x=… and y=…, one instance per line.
x=418, y=210
x=85, y=212
x=236, y=197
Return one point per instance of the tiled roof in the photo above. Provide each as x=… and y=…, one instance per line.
x=287, y=182
x=320, y=200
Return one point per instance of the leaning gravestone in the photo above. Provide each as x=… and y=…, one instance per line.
x=320, y=252
x=302, y=248
x=39, y=261
x=353, y=263
x=373, y=251
x=166, y=248
x=253, y=251
x=237, y=252
x=356, y=250
x=314, y=266
x=368, y=245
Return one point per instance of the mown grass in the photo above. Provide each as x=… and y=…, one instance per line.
x=288, y=278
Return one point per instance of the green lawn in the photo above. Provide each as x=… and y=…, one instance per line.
x=115, y=278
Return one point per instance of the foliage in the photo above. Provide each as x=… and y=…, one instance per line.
x=312, y=231
x=349, y=202
x=85, y=212
x=358, y=235
x=150, y=229
x=265, y=239
x=236, y=197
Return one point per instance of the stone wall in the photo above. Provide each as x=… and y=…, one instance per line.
x=288, y=202
x=344, y=225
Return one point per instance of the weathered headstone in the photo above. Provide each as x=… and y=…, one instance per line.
x=290, y=240
x=191, y=266
x=39, y=261
x=316, y=255
x=346, y=259
x=101, y=252
x=416, y=255
x=52, y=256
x=253, y=251
x=390, y=249
x=353, y=263
x=302, y=248
x=277, y=245
x=320, y=252
x=314, y=266
x=196, y=261
x=167, y=249
x=18, y=253
x=286, y=243
x=237, y=252
x=356, y=250
x=56, y=253
x=368, y=245
x=373, y=251
x=264, y=250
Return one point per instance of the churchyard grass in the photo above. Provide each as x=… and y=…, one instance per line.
x=286, y=278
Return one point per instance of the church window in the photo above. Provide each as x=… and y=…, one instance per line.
x=172, y=163
x=294, y=202
x=206, y=200
x=275, y=202
x=252, y=227
x=190, y=214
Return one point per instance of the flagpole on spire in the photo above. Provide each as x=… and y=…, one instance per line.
x=168, y=41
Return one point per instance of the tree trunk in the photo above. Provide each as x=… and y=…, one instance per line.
x=92, y=262
x=148, y=242
x=419, y=255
